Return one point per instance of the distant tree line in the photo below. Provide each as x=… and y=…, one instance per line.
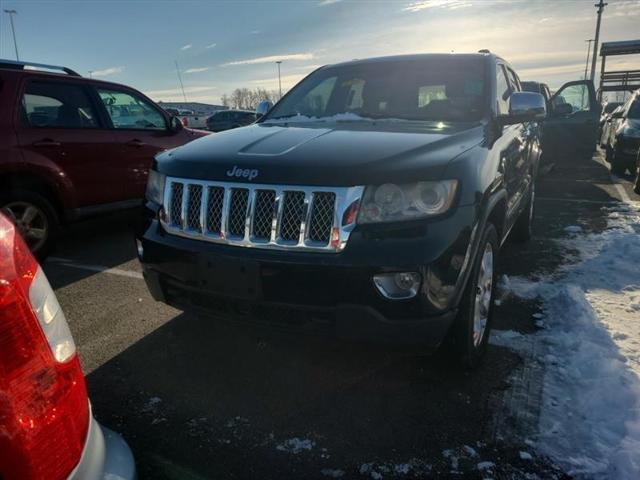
x=247, y=99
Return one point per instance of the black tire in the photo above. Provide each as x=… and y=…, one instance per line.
x=18, y=200
x=618, y=167
x=523, y=228
x=467, y=349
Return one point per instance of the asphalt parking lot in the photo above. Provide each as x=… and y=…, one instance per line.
x=197, y=398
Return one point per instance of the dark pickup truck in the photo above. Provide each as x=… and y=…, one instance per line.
x=371, y=202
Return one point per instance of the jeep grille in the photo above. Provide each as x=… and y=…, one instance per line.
x=263, y=216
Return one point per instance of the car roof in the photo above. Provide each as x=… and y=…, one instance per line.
x=415, y=57
x=44, y=74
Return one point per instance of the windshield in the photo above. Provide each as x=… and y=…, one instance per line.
x=432, y=89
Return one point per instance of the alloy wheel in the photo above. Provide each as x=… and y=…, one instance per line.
x=484, y=289
x=30, y=221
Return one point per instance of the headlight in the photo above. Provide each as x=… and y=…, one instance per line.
x=395, y=203
x=155, y=187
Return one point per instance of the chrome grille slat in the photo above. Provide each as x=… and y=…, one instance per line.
x=321, y=218
x=237, y=220
x=262, y=216
x=193, y=208
x=213, y=213
x=292, y=215
x=175, y=206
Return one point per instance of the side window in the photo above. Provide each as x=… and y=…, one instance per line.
x=131, y=112
x=514, y=81
x=503, y=92
x=57, y=105
x=576, y=96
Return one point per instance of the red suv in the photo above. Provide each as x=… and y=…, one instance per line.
x=71, y=147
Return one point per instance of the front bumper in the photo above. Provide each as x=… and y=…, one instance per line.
x=105, y=456
x=331, y=293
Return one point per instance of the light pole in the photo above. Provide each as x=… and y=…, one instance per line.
x=13, y=30
x=279, y=80
x=90, y=73
x=184, y=95
x=600, y=6
x=586, y=65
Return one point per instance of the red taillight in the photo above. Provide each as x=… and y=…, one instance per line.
x=44, y=410
x=185, y=122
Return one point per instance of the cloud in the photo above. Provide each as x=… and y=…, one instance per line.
x=271, y=59
x=107, y=71
x=197, y=70
x=255, y=32
x=186, y=47
x=448, y=4
x=288, y=81
x=328, y=2
x=211, y=46
x=176, y=93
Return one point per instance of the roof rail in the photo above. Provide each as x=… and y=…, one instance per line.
x=484, y=50
x=21, y=66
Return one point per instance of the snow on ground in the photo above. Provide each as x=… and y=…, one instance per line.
x=590, y=344
x=296, y=445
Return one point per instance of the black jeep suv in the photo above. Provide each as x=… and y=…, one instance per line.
x=370, y=202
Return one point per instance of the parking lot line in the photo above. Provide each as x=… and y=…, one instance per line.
x=95, y=268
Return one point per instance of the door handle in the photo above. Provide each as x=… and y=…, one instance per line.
x=46, y=142
x=135, y=143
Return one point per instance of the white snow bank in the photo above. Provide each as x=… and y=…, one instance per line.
x=590, y=419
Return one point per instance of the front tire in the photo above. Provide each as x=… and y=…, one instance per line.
x=34, y=217
x=618, y=167
x=473, y=322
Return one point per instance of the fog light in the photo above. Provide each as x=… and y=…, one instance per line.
x=140, y=248
x=397, y=286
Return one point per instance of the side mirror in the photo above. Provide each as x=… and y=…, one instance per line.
x=262, y=108
x=175, y=124
x=524, y=107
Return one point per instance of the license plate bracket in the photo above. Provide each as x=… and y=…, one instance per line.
x=232, y=278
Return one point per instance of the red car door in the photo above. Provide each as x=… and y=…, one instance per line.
x=59, y=130
x=142, y=130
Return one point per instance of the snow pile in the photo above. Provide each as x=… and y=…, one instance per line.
x=590, y=344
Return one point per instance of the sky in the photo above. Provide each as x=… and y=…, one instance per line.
x=222, y=45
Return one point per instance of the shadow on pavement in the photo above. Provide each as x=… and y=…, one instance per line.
x=204, y=399
x=104, y=241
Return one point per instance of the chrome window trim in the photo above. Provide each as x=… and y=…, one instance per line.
x=345, y=196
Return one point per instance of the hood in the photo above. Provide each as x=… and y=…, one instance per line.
x=322, y=154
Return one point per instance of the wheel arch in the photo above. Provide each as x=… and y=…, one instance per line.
x=37, y=183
